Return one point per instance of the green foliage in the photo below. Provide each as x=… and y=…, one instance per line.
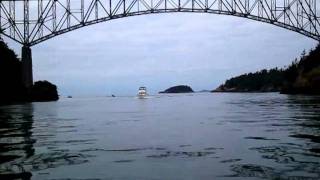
x=302, y=76
x=10, y=75
x=12, y=89
x=310, y=61
x=44, y=91
x=305, y=74
x=291, y=72
x=264, y=80
x=178, y=89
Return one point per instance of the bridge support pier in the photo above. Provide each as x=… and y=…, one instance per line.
x=26, y=62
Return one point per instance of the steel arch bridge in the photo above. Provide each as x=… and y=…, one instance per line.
x=30, y=22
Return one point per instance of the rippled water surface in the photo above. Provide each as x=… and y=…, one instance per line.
x=188, y=136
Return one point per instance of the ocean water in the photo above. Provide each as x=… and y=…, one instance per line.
x=178, y=137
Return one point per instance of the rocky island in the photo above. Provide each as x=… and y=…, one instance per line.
x=12, y=88
x=44, y=91
x=178, y=89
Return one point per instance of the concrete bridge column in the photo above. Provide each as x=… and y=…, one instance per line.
x=27, y=75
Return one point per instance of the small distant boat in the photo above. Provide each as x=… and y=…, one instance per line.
x=113, y=95
x=142, y=93
x=69, y=96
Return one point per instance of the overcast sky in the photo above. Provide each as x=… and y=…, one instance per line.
x=159, y=51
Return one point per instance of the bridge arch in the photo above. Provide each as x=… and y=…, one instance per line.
x=120, y=16
x=30, y=22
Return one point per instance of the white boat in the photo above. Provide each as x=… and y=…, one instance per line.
x=142, y=93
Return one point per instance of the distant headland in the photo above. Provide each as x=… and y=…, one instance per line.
x=301, y=77
x=178, y=89
x=12, y=88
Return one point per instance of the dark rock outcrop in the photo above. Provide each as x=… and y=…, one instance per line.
x=44, y=91
x=178, y=89
x=12, y=89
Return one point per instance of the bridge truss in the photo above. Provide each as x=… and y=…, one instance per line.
x=30, y=22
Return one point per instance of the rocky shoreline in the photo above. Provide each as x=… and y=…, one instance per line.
x=237, y=90
x=13, y=90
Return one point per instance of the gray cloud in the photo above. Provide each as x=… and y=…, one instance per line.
x=158, y=51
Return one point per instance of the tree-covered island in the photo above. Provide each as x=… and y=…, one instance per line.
x=301, y=77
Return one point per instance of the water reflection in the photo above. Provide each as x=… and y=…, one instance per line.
x=204, y=136
x=15, y=140
x=29, y=141
x=298, y=156
x=307, y=121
